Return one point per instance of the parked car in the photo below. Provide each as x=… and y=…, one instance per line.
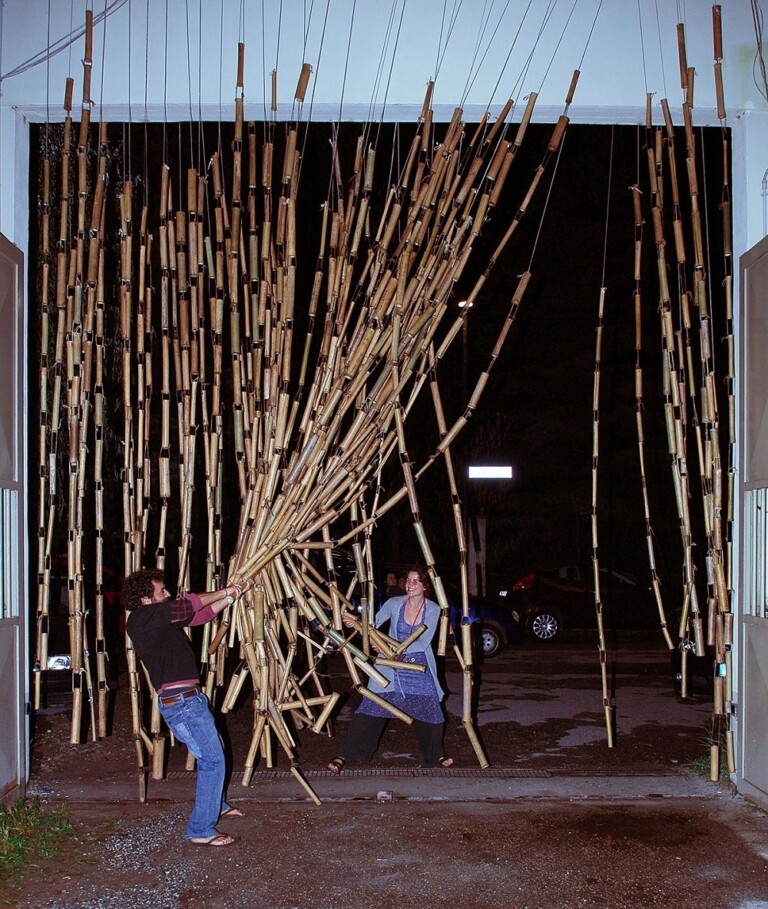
x=495, y=624
x=564, y=597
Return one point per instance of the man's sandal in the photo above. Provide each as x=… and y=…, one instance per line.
x=231, y=812
x=337, y=765
x=218, y=839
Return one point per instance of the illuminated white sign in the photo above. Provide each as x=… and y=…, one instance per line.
x=480, y=472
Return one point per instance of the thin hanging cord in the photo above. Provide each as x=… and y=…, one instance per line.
x=661, y=55
x=200, y=132
x=642, y=46
x=346, y=59
x=380, y=70
x=557, y=46
x=382, y=58
x=71, y=29
x=527, y=65
x=314, y=84
x=221, y=65
x=103, y=64
x=546, y=203
x=306, y=20
x=130, y=71
x=509, y=53
x=279, y=34
x=48, y=83
x=319, y=57
x=189, y=86
x=442, y=50
x=591, y=32
x=165, y=92
x=471, y=81
x=277, y=54
x=263, y=60
x=391, y=70
x=706, y=239
x=146, y=113
x=607, y=208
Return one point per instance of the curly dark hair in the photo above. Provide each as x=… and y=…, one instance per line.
x=140, y=584
x=424, y=577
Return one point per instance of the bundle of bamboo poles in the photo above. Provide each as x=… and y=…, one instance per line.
x=314, y=419
x=690, y=388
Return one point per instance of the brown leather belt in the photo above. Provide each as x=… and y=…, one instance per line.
x=177, y=698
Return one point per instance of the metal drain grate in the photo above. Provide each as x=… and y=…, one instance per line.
x=465, y=773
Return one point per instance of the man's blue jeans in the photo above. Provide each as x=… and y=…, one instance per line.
x=191, y=721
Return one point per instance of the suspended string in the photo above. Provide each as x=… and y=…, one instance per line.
x=165, y=87
x=391, y=71
x=314, y=86
x=263, y=59
x=346, y=60
x=546, y=204
x=221, y=71
x=471, y=81
x=304, y=40
x=47, y=84
x=189, y=87
x=589, y=39
x=130, y=112
x=710, y=293
x=642, y=49
x=661, y=55
x=200, y=130
x=382, y=58
x=557, y=46
x=104, y=67
x=509, y=53
x=275, y=103
x=529, y=59
x=71, y=30
x=607, y=210
x=319, y=57
x=442, y=48
x=146, y=111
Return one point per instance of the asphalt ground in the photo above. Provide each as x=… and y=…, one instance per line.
x=556, y=820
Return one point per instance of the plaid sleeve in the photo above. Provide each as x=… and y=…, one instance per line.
x=181, y=611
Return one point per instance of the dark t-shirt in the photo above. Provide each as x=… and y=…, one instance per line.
x=156, y=630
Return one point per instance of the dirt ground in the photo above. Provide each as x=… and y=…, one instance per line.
x=124, y=833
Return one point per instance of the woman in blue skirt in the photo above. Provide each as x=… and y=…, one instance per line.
x=418, y=694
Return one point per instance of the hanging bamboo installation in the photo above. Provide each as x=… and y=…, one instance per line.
x=681, y=379
x=315, y=419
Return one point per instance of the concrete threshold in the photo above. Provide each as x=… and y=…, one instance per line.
x=418, y=785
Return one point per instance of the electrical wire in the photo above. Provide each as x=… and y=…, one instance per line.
x=759, y=61
x=62, y=44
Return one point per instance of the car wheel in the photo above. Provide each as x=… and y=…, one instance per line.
x=546, y=625
x=492, y=639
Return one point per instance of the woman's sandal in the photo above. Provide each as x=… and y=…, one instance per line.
x=445, y=762
x=218, y=839
x=337, y=765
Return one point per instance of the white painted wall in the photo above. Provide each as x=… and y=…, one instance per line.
x=178, y=59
